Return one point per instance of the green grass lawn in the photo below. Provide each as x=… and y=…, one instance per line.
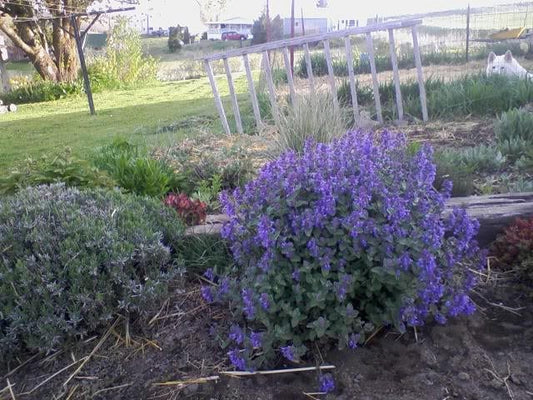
x=37, y=129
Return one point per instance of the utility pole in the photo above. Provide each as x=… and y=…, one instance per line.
x=292, y=35
x=268, y=33
x=303, y=25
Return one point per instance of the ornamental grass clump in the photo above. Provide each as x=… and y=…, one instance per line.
x=335, y=242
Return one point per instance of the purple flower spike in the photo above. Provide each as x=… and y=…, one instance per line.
x=256, y=338
x=265, y=302
x=249, y=309
x=288, y=352
x=237, y=360
x=327, y=384
x=207, y=293
x=236, y=334
x=353, y=341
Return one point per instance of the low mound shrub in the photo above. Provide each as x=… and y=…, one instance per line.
x=71, y=260
x=332, y=243
x=514, y=133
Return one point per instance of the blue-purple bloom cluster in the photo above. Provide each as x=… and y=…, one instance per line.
x=326, y=383
x=351, y=234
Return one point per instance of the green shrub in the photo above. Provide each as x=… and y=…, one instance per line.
x=318, y=65
x=450, y=167
x=480, y=158
x=514, y=133
x=52, y=169
x=279, y=76
x=311, y=117
x=175, y=36
x=135, y=171
x=124, y=64
x=72, y=260
x=40, y=91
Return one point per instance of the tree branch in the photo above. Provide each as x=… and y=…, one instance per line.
x=8, y=27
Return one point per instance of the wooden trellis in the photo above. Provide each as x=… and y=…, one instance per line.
x=304, y=41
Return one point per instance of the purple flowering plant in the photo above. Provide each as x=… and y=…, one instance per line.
x=338, y=240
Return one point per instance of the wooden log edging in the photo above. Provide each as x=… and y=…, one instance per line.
x=494, y=213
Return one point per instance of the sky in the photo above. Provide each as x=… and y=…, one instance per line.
x=165, y=13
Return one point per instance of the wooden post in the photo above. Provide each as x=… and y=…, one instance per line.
x=4, y=78
x=419, y=73
x=271, y=87
x=371, y=56
x=309, y=66
x=3, y=75
x=353, y=90
x=288, y=70
x=86, y=81
x=467, y=32
x=327, y=53
x=216, y=96
x=251, y=88
x=233, y=95
x=396, y=74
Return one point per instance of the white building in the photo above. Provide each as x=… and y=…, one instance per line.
x=215, y=29
x=309, y=25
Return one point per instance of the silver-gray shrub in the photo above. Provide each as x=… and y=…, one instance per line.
x=71, y=260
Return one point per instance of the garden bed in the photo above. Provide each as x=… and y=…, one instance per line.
x=485, y=356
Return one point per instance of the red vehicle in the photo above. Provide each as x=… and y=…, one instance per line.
x=232, y=35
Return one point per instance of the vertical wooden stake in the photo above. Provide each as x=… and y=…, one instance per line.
x=467, y=33
x=353, y=90
x=251, y=88
x=86, y=81
x=216, y=96
x=3, y=75
x=309, y=66
x=419, y=74
x=370, y=49
x=271, y=87
x=396, y=74
x=288, y=70
x=331, y=73
x=233, y=95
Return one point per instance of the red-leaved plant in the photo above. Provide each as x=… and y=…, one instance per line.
x=515, y=245
x=192, y=212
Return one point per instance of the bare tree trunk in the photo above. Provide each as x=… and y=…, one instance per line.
x=65, y=47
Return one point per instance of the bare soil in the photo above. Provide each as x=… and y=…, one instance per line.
x=486, y=356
